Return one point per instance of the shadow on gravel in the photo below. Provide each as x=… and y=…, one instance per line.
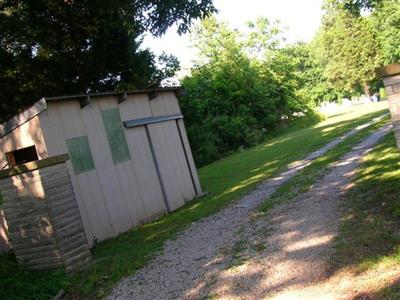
x=369, y=235
x=297, y=241
x=237, y=283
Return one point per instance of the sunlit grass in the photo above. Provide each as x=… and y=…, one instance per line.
x=264, y=160
x=225, y=181
x=370, y=229
x=304, y=180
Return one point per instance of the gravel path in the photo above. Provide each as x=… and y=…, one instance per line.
x=234, y=254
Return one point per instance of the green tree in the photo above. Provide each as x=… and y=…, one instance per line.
x=349, y=50
x=313, y=86
x=242, y=86
x=357, y=6
x=386, y=20
x=55, y=47
x=219, y=92
x=264, y=37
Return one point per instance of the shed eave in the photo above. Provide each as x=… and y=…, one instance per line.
x=176, y=89
x=23, y=117
x=41, y=105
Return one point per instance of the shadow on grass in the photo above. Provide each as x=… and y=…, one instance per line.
x=272, y=156
x=370, y=227
x=18, y=283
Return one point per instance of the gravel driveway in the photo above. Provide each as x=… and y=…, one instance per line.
x=236, y=255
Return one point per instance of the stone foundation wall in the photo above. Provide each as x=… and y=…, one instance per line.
x=44, y=222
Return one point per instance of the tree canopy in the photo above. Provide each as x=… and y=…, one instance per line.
x=386, y=22
x=61, y=47
x=349, y=50
x=352, y=44
x=357, y=6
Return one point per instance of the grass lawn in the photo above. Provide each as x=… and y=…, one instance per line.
x=370, y=228
x=225, y=181
x=305, y=179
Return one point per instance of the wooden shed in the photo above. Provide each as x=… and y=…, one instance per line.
x=130, y=159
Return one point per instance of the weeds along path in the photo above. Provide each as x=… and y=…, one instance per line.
x=207, y=259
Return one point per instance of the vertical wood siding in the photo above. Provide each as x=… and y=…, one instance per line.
x=170, y=151
x=63, y=121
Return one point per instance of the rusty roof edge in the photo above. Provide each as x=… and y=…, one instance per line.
x=132, y=92
x=22, y=117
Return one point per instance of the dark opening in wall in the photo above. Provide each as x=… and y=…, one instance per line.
x=22, y=156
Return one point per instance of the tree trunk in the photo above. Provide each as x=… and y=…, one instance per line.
x=366, y=90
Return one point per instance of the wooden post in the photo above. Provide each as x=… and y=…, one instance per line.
x=391, y=80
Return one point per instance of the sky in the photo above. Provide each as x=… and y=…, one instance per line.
x=301, y=18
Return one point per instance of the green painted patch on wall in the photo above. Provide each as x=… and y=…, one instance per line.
x=80, y=154
x=115, y=135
